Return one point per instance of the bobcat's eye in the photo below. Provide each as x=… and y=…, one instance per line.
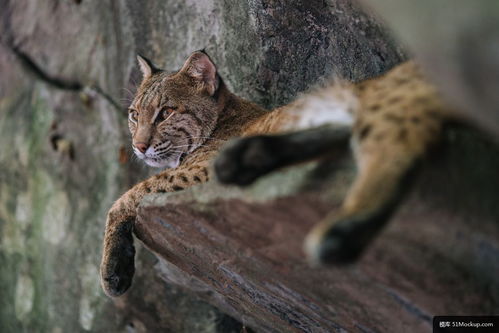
x=133, y=115
x=167, y=111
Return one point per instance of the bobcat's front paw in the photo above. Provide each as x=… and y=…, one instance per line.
x=242, y=161
x=117, y=266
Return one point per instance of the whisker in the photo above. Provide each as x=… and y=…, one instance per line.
x=206, y=137
x=173, y=151
x=127, y=90
x=190, y=146
x=181, y=146
x=167, y=153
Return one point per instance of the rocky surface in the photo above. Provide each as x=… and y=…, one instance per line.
x=67, y=71
x=241, y=250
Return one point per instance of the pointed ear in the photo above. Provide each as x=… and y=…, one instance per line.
x=146, y=67
x=200, y=67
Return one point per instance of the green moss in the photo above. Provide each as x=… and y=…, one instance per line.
x=22, y=210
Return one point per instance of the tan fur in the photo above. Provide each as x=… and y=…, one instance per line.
x=397, y=116
x=233, y=116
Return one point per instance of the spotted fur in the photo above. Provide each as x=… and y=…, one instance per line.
x=395, y=118
x=180, y=120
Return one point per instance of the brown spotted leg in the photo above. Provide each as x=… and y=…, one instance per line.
x=381, y=182
x=117, y=265
x=386, y=156
x=242, y=161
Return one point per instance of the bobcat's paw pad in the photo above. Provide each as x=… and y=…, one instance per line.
x=117, y=271
x=242, y=161
x=338, y=245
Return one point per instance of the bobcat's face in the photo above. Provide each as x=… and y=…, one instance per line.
x=173, y=113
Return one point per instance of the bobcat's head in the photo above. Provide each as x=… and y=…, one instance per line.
x=173, y=113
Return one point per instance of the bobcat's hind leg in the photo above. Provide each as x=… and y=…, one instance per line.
x=370, y=202
x=244, y=160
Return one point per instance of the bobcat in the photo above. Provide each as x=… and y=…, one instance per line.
x=180, y=120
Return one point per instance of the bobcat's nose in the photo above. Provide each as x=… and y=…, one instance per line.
x=141, y=146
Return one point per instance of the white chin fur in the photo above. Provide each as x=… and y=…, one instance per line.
x=168, y=164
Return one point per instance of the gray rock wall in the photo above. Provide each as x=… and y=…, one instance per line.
x=67, y=70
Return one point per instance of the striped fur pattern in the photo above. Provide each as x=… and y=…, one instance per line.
x=180, y=120
x=172, y=113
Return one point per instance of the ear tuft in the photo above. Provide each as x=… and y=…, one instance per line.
x=200, y=67
x=146, y=67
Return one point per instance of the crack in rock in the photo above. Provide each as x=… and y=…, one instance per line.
x=27, y=62
x=31, y=66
